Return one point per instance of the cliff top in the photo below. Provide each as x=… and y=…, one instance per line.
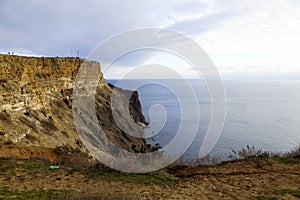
x=30, y=69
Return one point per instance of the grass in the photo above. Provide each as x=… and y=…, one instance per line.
x=7, y=165
x=28, y=165
x=156, y=178
x=98, y=171
x=252, y=153
x=284, y=159
x=33, y=165
x=278, y=194
x=6, y=193
x=248, y=152
x=295, y=193
x=265, y=198
x=162, y=178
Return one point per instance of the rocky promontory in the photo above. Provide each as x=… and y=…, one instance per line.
x=36, y=107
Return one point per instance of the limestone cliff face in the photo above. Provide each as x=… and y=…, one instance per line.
x=36, y=104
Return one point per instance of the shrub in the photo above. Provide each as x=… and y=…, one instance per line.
x=294, y=153
x=248, y=152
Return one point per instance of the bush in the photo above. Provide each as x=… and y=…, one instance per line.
x=294, y=153
x=248, y=152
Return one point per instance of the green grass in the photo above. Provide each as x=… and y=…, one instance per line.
x=7, y=194
x=155, y=178
x=295, y=193
x=265, y=198
x=7, y=165
x=284, y=160
x=28, y=165
x=278, y=194
x=33, y=165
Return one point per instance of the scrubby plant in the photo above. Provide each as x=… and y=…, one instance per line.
x=248, y=152
x=294, y=153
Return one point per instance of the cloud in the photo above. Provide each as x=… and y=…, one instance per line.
x=236, y=34
x=56, y=27
x=196, y=17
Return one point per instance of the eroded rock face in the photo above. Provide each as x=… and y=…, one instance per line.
x=36, y=104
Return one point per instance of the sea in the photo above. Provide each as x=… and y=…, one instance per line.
x=264, y=114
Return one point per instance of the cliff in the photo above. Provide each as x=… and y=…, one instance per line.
x=36, y=105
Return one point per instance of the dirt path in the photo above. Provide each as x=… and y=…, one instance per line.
x=237, y=180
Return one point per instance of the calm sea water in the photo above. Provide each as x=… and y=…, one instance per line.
x=265, y=114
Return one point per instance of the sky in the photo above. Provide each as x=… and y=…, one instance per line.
x=244, y=38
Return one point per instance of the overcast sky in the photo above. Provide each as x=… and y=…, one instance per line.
x=241, y=36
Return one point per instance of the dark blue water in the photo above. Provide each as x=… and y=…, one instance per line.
x=265, y=114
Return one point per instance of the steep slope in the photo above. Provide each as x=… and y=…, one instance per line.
x=36, y=105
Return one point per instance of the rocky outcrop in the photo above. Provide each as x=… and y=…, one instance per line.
x=36, y=104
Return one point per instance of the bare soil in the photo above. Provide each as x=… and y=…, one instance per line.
x=246, y=179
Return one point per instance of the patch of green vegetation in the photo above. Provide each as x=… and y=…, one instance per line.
x=295, y=193
x=33, y=165
x=278, y=193
x=6, y=193
x=265, y=198
x=284, y=160
x=7, y=164
x=157, y=178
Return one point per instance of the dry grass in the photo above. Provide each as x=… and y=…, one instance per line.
x=248, y=152
x=80, y=172
x=293, y=153
x=6, y=193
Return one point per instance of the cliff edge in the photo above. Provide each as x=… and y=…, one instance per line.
x=36, y=107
